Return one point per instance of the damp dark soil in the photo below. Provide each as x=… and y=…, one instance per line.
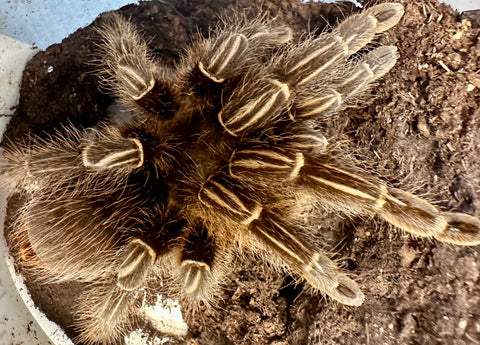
x=419, y=129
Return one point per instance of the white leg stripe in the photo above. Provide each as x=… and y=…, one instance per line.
x=320, y=69
x=140, y=150
x=132, y=266
x=258, y=115
x=311, y=56
x=282, y=246
x=299, y=163
x=343, y=188
x=231, y=195
x=255, y=164
x=147, y=90
x=255, y=215
x=208, y=74
x=321, y=108
x=233, y=50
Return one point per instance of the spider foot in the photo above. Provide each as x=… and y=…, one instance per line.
x=461, y=229
x=322, y=274
x=358, y=30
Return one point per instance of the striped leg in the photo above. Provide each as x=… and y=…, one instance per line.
x=310, y=64
x=352, y=193
x=310, y=263
x=419, y=217
x=307, y=68
x=108, y=150
x=315, y=57
x=310, y=59
x=298, y=66
x=102, y=157
x=198, y=272
x=268, y=36
x=211, y=62
x=335, y=95
x=138, y=259
x=252, y=107
x=222, y=57
x=303, y=138
x=120, y=153
x=226, y=198
x=129, y=69
x=108, y=309
x=72, y=155
x=402, y=209
x=358, y=30
x=226, y=53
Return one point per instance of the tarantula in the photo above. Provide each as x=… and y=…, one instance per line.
x=224, y=151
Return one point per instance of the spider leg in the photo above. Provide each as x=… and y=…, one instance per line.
x=107, y=149
x=265, y=94
x=358, y=30
x=70, y=155
x=387, y=15
x=213, y=65
x=192, y=257
x=137, y=262
x=222, y=56
x=226, y=53
x=310, y=59
x=108, y=309
x=348, y=191
x=316, y=58
x=103, y=156
x=41, y=161
x=119, y=152
x=307, y=68
x=224, y=195
x=309, y=262
x=267, y=36
x=320, y=100
x=402, y=209
x=253, y=106
x=303, y=137
x=196, y=261
x=364, y=73
x=131, y=72
x=417, y=216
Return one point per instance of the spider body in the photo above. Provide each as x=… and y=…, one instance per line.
x=222, y=152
